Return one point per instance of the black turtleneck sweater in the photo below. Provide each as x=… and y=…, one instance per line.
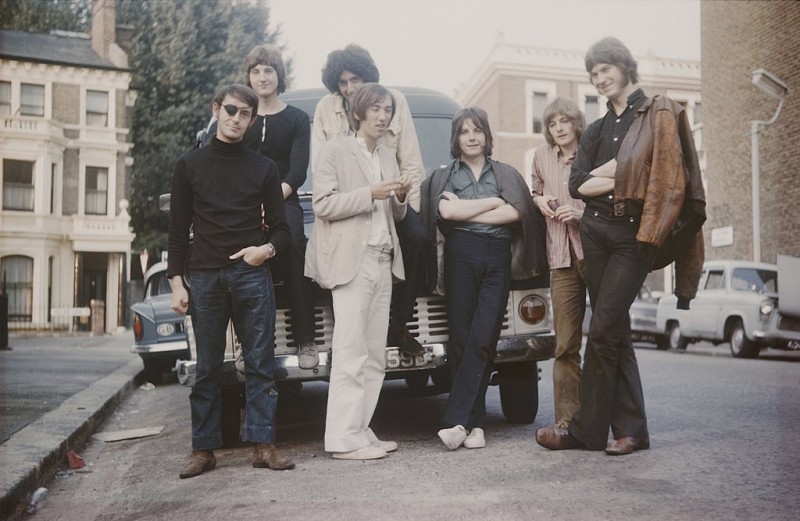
x=221, y=189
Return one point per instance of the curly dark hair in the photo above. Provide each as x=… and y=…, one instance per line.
x=353, y=58
x=612, y=50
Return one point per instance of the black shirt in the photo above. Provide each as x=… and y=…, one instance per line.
x=599, y=144
x=221, y=189
x=284, y=137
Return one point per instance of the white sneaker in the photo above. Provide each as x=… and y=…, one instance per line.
x=364, y=453
x=453, y=437
x=387, y=446
x=475, y=440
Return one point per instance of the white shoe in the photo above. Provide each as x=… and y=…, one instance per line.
x=453, y=437
x=364, y=453
x=475, y=440
x=386, y=446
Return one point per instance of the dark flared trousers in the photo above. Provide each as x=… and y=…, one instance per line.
x=610, y=389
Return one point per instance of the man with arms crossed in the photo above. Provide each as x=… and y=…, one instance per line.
x=354, y=251
x=344, y=72
x=564, y=123
x=222, y=190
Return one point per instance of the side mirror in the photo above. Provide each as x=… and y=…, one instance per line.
x=163, y=202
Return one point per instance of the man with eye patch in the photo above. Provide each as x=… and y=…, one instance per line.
x=222, y=190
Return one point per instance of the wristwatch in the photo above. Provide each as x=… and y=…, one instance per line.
x=270, y=250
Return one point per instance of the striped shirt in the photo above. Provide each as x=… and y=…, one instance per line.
x=551, y=177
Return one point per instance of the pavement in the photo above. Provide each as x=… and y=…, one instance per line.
x=55, y=392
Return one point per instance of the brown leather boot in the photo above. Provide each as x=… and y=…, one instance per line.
x=200, y=461
x=265, y=455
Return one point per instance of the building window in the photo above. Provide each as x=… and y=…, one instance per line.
x=96, y=190
x=592, y=108
x=18, y=185
x=17, y=272
x=539, y=103
x=698, y=113
x=5, y=97
x=32, y=100
x=96, y=108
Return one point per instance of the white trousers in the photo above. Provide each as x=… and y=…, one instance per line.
x=361, y=314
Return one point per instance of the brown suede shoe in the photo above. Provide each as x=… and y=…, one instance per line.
x=554, y=437
x=200, y=461
x=265, y=455
x=405, y=342
x=626, y=445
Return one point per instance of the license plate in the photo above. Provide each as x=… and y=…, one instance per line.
x=793, y=345
x=397, y=361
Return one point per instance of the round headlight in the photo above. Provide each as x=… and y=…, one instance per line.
x=766, y=307
x=533, y=309
x=165, y=329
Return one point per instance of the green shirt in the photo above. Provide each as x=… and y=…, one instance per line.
x=462, y=183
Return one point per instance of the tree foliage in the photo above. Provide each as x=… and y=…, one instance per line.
x=182, y=52
x=45, y=15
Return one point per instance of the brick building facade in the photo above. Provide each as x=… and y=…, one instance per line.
x=737, y=38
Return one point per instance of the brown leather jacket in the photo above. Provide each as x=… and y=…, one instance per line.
x=658, y=178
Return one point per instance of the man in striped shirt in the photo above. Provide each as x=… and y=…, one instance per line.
x=564, y=123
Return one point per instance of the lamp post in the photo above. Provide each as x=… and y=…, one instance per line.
x=776, y=88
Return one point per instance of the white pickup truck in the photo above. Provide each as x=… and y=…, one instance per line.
x=739, y=302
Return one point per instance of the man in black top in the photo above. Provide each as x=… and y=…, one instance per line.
x=222, y=190
x=610, y=388
x=282, y=133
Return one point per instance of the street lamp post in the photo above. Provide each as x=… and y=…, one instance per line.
x=775, y=87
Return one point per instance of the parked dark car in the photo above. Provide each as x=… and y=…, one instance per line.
x=158, y=332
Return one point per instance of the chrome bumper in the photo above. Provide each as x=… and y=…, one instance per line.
x=161, y=347
x=529, y=348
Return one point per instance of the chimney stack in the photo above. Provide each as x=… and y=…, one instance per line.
x=103, y=26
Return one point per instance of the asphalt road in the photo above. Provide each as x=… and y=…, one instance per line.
x=724, y=446
x=39, y=373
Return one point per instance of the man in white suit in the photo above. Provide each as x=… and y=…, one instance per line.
x=354, y=251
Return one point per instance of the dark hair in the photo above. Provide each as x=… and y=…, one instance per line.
x=366, y=96
x=353, y=58
x=241, y=92
x=266, y=55
x=480, y=119
x=567, y=108
x=611, y=50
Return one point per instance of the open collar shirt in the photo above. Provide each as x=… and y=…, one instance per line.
x=551, y=171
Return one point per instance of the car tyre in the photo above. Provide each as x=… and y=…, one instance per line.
x=519, y=391
x=741, y=346
x=441, y=378
x=417, y=381
x=675, y=340
x=153, y=371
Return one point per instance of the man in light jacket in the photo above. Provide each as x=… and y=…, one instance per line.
x=354, y=251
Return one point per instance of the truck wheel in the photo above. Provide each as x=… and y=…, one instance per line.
x=417, y=381
x=519, y=391
x=741, y=346
x=231, y=415
x=675, y=339
x=441, y=379
x=152, y=371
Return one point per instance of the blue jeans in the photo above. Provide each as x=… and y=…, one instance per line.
x=244, y=294
x=477, y=276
